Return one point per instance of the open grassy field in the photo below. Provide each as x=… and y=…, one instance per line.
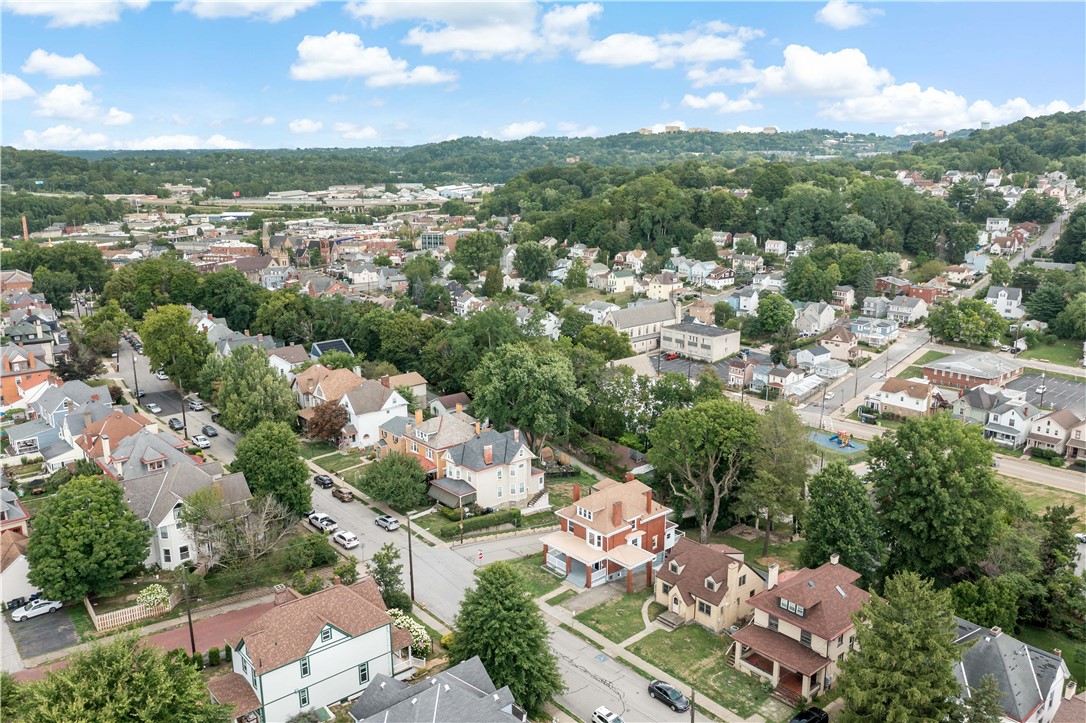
x=616, y=619
x=1064, y=351
x=1040, y=496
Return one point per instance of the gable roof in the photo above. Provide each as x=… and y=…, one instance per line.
x=698, y=562
x=152, y=496
x=840, y=334
x=504, y=449
x=1012, y=293
x=827, y=593
x=117, y=426
x=643, y=314
x=334, y=383
x=916, y=390
x=12, y=547
x=369, y=396
x=981, y=364
x=631, y=495
x=293, y=354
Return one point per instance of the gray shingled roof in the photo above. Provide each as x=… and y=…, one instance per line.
x=369, y=396
x=152, y=496
x=702, y=329
x=1013, y=293
x=644, y=314
x=981, y=364
x=461, y=694
x=322, y=347
x=470, y=453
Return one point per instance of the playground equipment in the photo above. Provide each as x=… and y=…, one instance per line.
x=843, y=439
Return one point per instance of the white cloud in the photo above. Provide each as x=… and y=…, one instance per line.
x=305, y=125
x=576, y=130
x=620, y=50
x=173, y=142
x=75, y=14
x=708, y=43
x=805, y=73
x=59, y=66
x=67, y=101
x=917, y=109
x=842, y=15
x=517, y=130
x=343, y=55
x=266, y=120
x=720, y=102
x=270, y=10
x=353, y=132
x=64, y=137
x=337, y=98
x=12, y=87
x=567, y=26
x=117, y=117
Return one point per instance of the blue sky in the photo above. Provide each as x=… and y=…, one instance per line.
x=303, y=73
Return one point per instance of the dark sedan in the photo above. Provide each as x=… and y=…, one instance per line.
x=669, y=695
x=209, y=431
x=323, y=481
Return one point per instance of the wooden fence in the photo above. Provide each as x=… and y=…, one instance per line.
x=129, y=615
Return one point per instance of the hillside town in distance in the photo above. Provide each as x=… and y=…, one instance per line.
x=541, y=362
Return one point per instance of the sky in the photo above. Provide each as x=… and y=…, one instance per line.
x=134, y=74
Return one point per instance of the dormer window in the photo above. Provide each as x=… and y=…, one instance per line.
x=326, y=635
x=710, y=584
x=156, y=465
x=586, y=514
x=792, y=607
x=674, y=567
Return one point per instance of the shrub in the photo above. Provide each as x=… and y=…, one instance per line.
x=213, y=657
x=198, y=660
x=398, y=599
x=1056, y=462
x=419, y=634
x=347, y=572
x=306, y=586
x=153, y=596
x=228, y=654
x=310, y=551
x=178, y=655
x=446, y=640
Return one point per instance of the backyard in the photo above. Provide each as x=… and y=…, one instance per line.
x=700, y=660
x=781, y=551
x=1074, y=651
x=618, y=618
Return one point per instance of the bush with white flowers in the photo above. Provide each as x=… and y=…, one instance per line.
x=153, y=596
x=421, y=638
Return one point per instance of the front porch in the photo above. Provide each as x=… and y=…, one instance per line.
x=586, y=566
x=796, y=673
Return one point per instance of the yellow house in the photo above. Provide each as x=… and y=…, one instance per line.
x=706, y=584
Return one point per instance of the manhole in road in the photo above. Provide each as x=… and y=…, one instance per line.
x=602, y=658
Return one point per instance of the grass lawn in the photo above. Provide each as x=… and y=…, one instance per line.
x=1040, y=496
x=84, y=628
x=338, y=461
x=1063, y=351
x=1074, y=651
x=655, y=609
x=616, y=619
x=562, y=597
x=539, y=581
x=698, y=658
x=316, y=449
x=787, y=552
x=930, y=356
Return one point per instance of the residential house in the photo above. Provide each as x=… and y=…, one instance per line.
x=702, y=311
x=737, y=372
x=16, y=280
x=784, y=380
x=907, y=310
x=739, y=237
x=892, y=285
x=458, y=402
x=1032, y=681
x=319, y=384
x=876, y=307
x=1009, y=424
x=720, y=278
x=750, y=262
x=618, y=531
x=931, y=291
x=97, y=436
x=311, y=651
x=491, y=469
x=959, y=274
x=774, y=246
x=51, y=408
x=993, y=178
x=20, y=372
x=973, y=406
x=843, y=297
x=699, y=341
x=369, y=405
x=506, y=262
x=362, y=275
x=1006, y=300
x=427, y=440
x=413, y=381
x=706, y=584
x=997, y=225
x=813, y=317
x=1053, y=430
x=1076, y=442
x=287, y=359
x=699, y=272
x=251, y=266
x=14, y=567
x=1005, y=246
x=978, y=262
x=876, y=332
x=619, y=282
x=632, y=260
x=662, y=285
x=643, y=323
x=831, y=369
x=597, y=275
x=769, y=281
x=903, y=398
x=463, y=693
x=842, y=343
x=802, y=629
x=13, y=516
x=598, y=310
x=965, y=371
x=809, y=357
x=745, y=301
x=322, y=347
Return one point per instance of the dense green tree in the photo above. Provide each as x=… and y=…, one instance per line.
x=85, y=540
x=970, y=320
x=530, y=386
x=387, y=571
x=988, y=602
x=1036, y=208
x=228, y=295
x=1071, y=322
x=1000, y=271
x=609, y=343
x=577, y=276
x=270, y=457
x=83, y=261
x=477, y=251
x=961, y=239
x=122, y=680
x=286, y=315
x=702, y=453
x=774, y=313
x=984, y=703
x=841, y=520
x=172, y=343
x=56, y=286
x=142, y=285
x=403, y=337
x=249, y=391
x=865, y=282
x=902, y=669
x=419, y=272
x=573, y=321
x=703, y=247
x=80, y=361
x=856, y=230
x=494, y=283
x=501, y=623
x=771, y=182
x=449, y=357
x=722, y=313
x=1046, y=303
x=102, y=330
x=396, y=479
x=1070, y=248
x=934, y=490
x=533, y=261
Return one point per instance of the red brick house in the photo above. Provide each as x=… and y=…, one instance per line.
x=21, y=372
x=931, y=291
x=965, y=371
x=617, y=531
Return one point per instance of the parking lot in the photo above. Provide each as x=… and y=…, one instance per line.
x=1059, y=393
x=43, y=634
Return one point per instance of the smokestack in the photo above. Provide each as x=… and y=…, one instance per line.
x=476, y=428
x=488, y=454
x=516, y=435
x=774, y=571
x=616, y=513
x=105, y=448
x=576, y=492
x=384, y=381
x=459, y=407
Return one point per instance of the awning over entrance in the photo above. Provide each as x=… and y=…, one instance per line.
x=790, y=653
x=630, y=557
x=452, y=492
x=574, y=547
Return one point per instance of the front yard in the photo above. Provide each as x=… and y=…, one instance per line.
x=700, y=660
x=618, y=618
x=539, y=581
x=338, y=461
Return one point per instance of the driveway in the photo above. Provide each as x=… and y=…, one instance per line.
x=43, y=634
x=1059, y=393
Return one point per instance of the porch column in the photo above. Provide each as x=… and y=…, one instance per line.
x=629, y=581
x=569, y=565
x=806, y=686
x=546, y=548
x=588, y=576
x=776, y=673
x=648, y=574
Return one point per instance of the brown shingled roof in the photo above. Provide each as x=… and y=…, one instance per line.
x=630, y=494
x=12, y=546
x=696, y=563
x=916, y=390
x=828, y=611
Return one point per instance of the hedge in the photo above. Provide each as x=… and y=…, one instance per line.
x=482, y=522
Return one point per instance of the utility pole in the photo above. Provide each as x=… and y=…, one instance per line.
x=822, y=408
x=411, y=557
x=188, y=607
x=181, y=388
x=135, y=379
x=693, y=697
x=461, y=521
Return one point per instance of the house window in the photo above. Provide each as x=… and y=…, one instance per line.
x=429, y=454
x=773, y=623
x=840, y=640
x=156, y=465
x=852, y=642
x=512, y=489
x=805, y=638
x=784, y=604
x=582, y=512
x=326, y=635
x=166, y=556
x=674, y=567
x=304, y=662
x=244, y=665
x=742, y=580
x=415, y=447
x=252, y=677
x=499, y=474
x=665, y=588
x=594, y=539
x=500, y=489
x=183, y=553
x=303, y=697
x=709, y=584
x=164, y=533
x=363, y=673
x=703, y=607
x=654, y=540
x=522, y=486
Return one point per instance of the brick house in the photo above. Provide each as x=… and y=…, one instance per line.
x=706, y=584
x=965, y=371
x=427, y=440
x=20, y=372
x=802, y=628
x=617, y=531
x=492, y=469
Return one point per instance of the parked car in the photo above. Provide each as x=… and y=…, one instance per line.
x=153, y=408
x=176, y=424
x=343, y=494
x=140, y=393
x=811, y=715
x=162, y=375
x=323, y=522
x=669, y=695
x=1040, y=390
x=670, y=357
x=829, y=395
x=323, y=481
x=201, y=441
x=348, y=540
x=604, y=715
x=209, y=431
x=1081, y=537
x=878, y=375
x=196, y=406
x=388, y=522
x=34, y=609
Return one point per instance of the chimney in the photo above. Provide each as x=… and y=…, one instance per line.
x=86, y=418
x=246, y=332
x=384, y=381
x=488, y=454
x=1055, y=651
x=834, y=558
x=733, y=575
x=616, y=513
x=678, y=311
x=477, y=428
x=771, y=582
x=459, y=407
x=648, y=502
x=516, y=435
x=260, y=337
x=336, y=580
x=105, y=448
x=576, y=492
x=210, y=317
x=357, y=370
x=418, y=416
x=996, y=631
x=628, y=477
x=1069, y=689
